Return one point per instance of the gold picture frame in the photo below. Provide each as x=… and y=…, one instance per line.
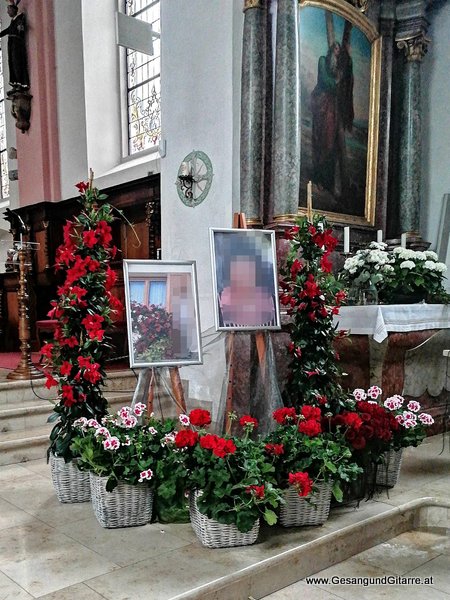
x=359, y=203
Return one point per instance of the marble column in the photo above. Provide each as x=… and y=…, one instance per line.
x=410, y=157
x=252, y=109
x=286, y=116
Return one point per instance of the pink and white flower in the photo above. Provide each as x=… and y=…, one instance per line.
x=184, y=420
x=426, y=419
x=413, y=405
x=409, y=416
x=374, y=391
x=359, y=394
x=130, y=421
x=139, y=408
x=152, y=431
x=400, y=419
x=169, y=438
x=409, y=423
x=111, y=443
x=102, y=431
x=124, y=412
x=93, y=423
x=127, y=441
x=390, y=404
x=145, y=475
x=81, y=422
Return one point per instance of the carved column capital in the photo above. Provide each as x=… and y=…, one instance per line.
x=415, y=47
x=253, y=4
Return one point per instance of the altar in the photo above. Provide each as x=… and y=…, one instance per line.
x=399, y=348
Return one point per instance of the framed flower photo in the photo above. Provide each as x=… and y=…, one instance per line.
x=162, y=312
x=244, y=279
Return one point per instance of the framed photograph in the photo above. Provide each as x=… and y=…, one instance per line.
x=162, y=313
x=340, y=66
x=244, y=279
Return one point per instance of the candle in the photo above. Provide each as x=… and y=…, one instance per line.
x=379, y=236
x=346, y=240
x=184, y=169
x=403, y=240
x=309, y=200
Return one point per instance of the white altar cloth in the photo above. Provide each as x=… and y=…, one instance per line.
x=379, y=320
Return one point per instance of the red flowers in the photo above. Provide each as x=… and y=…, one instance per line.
x=82, y=186
x=199, y=417
x=220, y=446
x=310, y=428
x=285, y=416
x=93, y=325
x=275, y=449
x=301, y=482
x=186, y=438
x=248, y=421
x=256, y=490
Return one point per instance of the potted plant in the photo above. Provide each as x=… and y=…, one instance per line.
x=312, y=297
x=231, y=483
x=76, y=358
x=121, y=454
x=311, y=462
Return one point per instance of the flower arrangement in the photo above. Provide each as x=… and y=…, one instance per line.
x=412, y=422
x=304, y=451
x=397, y=272
x=124, y=448
x=234, y=474
x=85, y=308
x=151, y=330
x=312, y=297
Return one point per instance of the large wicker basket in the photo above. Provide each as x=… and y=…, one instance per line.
x=215, y=535
x=388, y=472
x=126, y=506
x=71, y=485
x=310, y=510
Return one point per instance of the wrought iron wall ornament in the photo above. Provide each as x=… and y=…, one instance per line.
x=362, y=5
x=415, y=47
x=194, y=178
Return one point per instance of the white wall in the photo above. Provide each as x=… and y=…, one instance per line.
x=436, y=123
x=201, y=62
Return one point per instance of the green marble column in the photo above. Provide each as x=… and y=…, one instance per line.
x=252, y=109
x=410, y=157
x=286, y=116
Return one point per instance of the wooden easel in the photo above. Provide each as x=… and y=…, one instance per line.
x=149, y=384
x=240, y=222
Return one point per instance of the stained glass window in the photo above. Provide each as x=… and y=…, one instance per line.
x=144, y=82
x=4, y=188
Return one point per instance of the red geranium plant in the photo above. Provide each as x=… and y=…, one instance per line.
x=312, y=297
x=85, y=308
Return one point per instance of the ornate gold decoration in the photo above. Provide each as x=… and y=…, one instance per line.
x=252, y=4
x=415, y=47
x=283, y=218
x=355, y=16
x=253, y=222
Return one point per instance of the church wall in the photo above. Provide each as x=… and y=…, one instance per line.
x=201, y=61
x=436, y=124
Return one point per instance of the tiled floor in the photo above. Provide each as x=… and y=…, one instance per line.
x=59, y=552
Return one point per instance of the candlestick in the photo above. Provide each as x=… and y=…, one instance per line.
x=403, y=240
x=379, y=236
x=184, y=169
x=309, y=212
x=346, y=240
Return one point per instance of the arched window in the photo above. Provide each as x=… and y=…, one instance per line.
x=139, y=32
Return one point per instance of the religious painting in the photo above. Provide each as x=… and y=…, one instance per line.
x=340, y=58
x=244, y=279
x=162, y=313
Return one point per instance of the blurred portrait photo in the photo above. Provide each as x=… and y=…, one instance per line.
x=244, y=279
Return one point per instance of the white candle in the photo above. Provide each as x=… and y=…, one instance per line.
x=346, y=240
x=184, y=169
x=379, y=236
x=403, y=240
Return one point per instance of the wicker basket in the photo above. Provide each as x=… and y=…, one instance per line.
x=126, y=506
x=388, y=472
x=71, y=485
x=310, y=510
x=215, y=535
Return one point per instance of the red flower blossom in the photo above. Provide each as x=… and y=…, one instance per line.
x=310, y=428
x=301, y=482
x=249, y=421
x=199, y=417
x=257, y=490
x=82, y=186
x=111, y=278
x=89, y=238
x=325, y=263
x=103, y=232
x=284, y=416
x=51, y=381
x=208, y=441
x=224, y=447
x=46, y=350
x=311, y=412
x=71, y=342
x=186, y=438
x=67, y=395
x=275, y=449
x=295, y=268
x=65, y=368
